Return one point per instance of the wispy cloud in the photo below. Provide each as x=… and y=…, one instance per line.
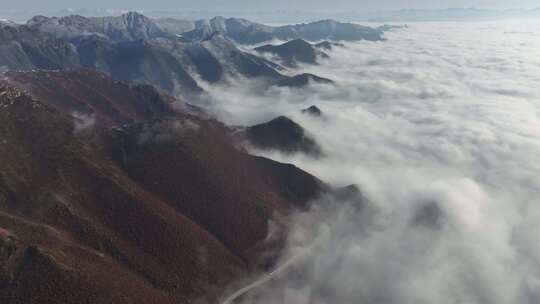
x=83, y=121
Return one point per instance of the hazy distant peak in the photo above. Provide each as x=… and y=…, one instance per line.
x=175, y=26
x=298, y=42
x=126, y=27
x=247, y=32
x=37, y=19
x=6, y=22
x=293, y=52
x=313, y=110
x=134, y=15
x=326, y=22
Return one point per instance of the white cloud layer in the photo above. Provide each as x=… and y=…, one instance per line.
x=440, y=128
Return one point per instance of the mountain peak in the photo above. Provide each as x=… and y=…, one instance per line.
x=282, y=134
x=293, y=52
x=247, y=32
x=133, y=18
x=126, y=27
x=298, y=42
x=313, y=110
x=134, y=14
x=37, y=19
x=8, y=95
x=327, y=21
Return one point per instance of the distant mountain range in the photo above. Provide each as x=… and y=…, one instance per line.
x=185, y=19
x=452, y=14
x=132, y=26
x=126, y=27
x=247, y=32
x=165, y=53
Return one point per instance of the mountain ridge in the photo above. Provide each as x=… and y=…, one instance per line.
x=293, y=52
x=154, y=205
x=164, y=61
x=246, y=32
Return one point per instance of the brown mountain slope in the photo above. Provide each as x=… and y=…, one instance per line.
x=190, y=164
x=159, y=211
x=186, y=160
x=89, y=94
x=85, y=232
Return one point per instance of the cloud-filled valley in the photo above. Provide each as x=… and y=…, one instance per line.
x=150, y=160
x=440, y=129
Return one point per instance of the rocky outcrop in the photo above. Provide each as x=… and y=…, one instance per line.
x=282, y=134
x=302, y=80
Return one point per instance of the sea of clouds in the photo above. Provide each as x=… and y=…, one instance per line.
x=440, y=128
